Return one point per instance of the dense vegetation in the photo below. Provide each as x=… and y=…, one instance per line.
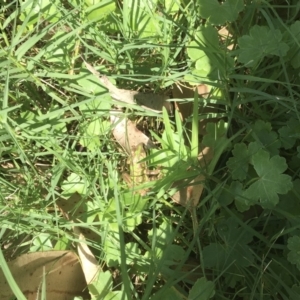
x=242, y=239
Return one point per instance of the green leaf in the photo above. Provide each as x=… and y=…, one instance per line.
x=223, y=256
x=73, y=184
x=202, y=289
x=39, y=9
x=231, y=233
x=290, y=133
x=101, y=285
x=233, y=252
x=262, y=134
x=290, y=203
x=167, y=294
x=99, y=9
x=262, y=41
x=203, y=64
x=164, y=250
x=91, y=84
x=217, y=13
x=228, y=194
x=294, y=53
x=171, y=6
x=92, y=131
x=270, y=182
x=209, y=58
x=294, y=254
x=239, y=163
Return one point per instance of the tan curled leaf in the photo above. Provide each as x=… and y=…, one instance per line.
x=189, y=196
x=100, y=283
x=64, y=277
x=127, y=135
x=150, y=101
x=186, y=108
x=89, y=263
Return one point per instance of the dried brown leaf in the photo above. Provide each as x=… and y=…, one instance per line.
x=127, y=135
x=150, y=101
x=64, y=276
x=189, y=196
x=89, y=263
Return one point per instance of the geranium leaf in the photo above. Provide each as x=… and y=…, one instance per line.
x=238, y=164
x=262, y=133
x=293, y=53
x=294, y=247
x=270, y=182
x=260, y=42
x=202, y=289
x=218, y=13
x=289, y=133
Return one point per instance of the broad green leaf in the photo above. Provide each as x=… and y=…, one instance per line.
x=92, y=132
x=39, y=9
x=294, y=254
x=293, y=53
x=167, y=294
x=217, y=13
x=164, y=249
x=202, y=289
x=228, y=194
x=290, y=203
x=262, y=133
x=131, y=221
x=101, y=285
x=41, y=242
x=73, y=184
x=91, y=84
x=230, y=254
x=261, y=41
x=111, y=248
x=222, y=256
x=196, y=76
x=270, y=181
x=171, y=6
x=238, y=164
x=206, y=39
x=200, y=57
x=290, y=133
x=99, y=9
x=209, y=58
x=231, y=233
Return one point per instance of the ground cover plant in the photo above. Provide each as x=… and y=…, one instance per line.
x=98, y=148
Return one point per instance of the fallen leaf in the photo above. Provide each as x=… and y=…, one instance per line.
x=89, y=263
x=64, y=276
x=127, y=135
x=150, y=101
x=189, y=196
x=186, y=109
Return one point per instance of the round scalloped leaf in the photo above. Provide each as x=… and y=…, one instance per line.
x=98, y=9
x=202, y=289
x=217, y=13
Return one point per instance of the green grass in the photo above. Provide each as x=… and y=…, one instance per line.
x=56, y=141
